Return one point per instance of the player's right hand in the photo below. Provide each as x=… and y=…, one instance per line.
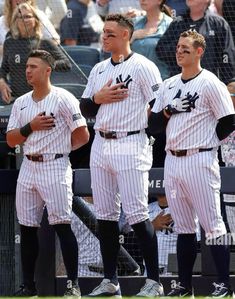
x=162, y=221
x=42, y=122
x=179, y=105
x=111, y=93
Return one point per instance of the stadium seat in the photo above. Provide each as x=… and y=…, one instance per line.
x=85, y=68
x=75, y=89
x=74, y=76
x=84, y=54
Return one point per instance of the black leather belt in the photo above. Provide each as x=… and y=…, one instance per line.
x=113, y=134
x=181, y=153
x=39, y=158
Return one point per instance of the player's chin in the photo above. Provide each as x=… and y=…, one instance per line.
x=106, y=48
x=29, y=81
x=179, y=62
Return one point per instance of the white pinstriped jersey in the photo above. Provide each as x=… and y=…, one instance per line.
x=63, y=106
x=195, y=129
x=142, y=78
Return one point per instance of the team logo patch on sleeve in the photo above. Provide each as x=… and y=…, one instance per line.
x=155, y=87
x=77, y=116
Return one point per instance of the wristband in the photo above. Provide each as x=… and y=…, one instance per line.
x=168, y=110
x=26, y=130
x=93, y=99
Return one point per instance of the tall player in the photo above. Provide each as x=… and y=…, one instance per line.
x=49, y=124
x=196, y=110
x=120, y=88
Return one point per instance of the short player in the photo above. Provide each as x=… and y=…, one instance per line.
x=166, y=236
x=49, y=124
x=120, y=89
x=196, y=111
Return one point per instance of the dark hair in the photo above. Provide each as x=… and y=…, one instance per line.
x=165, y=8
x=43, y=55
x=122, y=21
x=198, y=39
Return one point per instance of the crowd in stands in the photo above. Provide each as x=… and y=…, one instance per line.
x=39, y=24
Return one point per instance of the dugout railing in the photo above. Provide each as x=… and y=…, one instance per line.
x=48, y=283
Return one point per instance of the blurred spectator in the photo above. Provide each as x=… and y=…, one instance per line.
x=78, y=26
x=24, y=36
x=54, y=9
x=148, y=29
x=219, y=56
x=48, y=30
x=226, y=8
x=162, y=222
x=178, y=7
x=160, y=217
x=228, y=155
x=129, y=7
x=1, y=7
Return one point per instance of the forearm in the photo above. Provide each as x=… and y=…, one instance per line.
x=15, y=138
x=225, y=126
x=88, y=107
x=79, y=137
x=157, y=122
x=18, y=136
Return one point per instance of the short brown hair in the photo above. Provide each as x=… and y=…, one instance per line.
x=198, y=39
x=43, y=55
x=122, y=21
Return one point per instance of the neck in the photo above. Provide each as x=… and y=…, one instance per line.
x=154, y=16
x=190, y=72
x=197, y=14
x=121, y=55
x=27, y=34
x=41, y=91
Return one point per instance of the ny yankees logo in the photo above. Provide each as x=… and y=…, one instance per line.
x=127, y=81
x=178, y=94
x=192, y=99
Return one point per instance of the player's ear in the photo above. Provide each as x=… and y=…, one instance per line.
x=126, y=34
x=200, y=51
x=48, y=70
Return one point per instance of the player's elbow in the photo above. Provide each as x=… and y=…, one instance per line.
x=225, y=126
x=80, y=137
x=11, y=140
x=88, y=107
x=86, y=136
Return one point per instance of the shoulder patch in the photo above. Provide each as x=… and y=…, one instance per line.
x=155, y=87
x=77, y=116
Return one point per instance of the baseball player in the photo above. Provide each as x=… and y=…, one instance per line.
x=160, y=216
x=120, y=88
x=49, y=124
x=196, y=111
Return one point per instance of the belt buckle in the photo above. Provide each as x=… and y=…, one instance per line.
x=114, y=135
x=110, y=135
x=37, y=158
x=177, y=153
